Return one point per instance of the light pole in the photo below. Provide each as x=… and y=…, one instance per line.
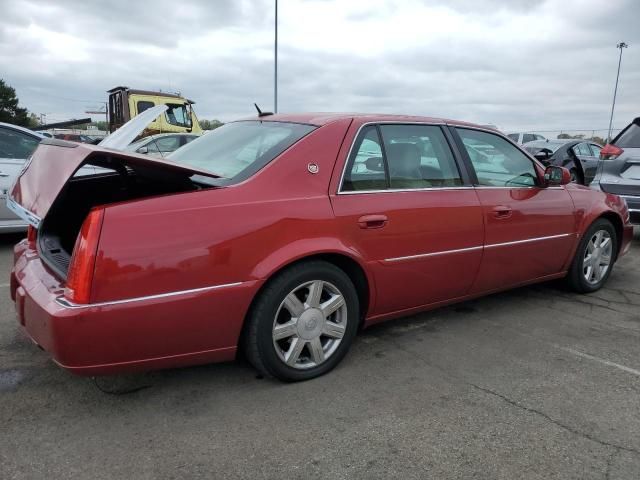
x=620, y=45
x=275, y=62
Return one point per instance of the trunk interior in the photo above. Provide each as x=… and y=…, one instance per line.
x=110, y=182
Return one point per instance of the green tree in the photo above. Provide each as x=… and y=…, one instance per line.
x=9, y=110
x=566, y=136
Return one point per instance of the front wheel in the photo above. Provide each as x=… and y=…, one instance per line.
x=594, y=258
x=303, y=322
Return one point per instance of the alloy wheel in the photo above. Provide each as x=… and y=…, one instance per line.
x=597, y=257
x=309, y=324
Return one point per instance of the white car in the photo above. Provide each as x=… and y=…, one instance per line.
x=16, y=146
x=523, y=137
x=162, y=144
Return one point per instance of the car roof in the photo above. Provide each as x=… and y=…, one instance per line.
x=21, y=129
x=554, y=141
x=323, y=118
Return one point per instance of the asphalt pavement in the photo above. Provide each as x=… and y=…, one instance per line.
x=531, y=383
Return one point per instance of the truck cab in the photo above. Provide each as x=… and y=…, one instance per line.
x=125, y=103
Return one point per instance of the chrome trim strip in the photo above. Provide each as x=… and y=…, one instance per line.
x=23, y=213
x=396, y=190
x=63, y=302
x=479, y=247
x=433, y=254
x=634, y=210
x=529, y=240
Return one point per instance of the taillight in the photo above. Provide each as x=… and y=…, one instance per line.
x=609, y=152
x=32, y=233
x=83, y=259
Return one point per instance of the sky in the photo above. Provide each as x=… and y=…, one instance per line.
x=518, y=64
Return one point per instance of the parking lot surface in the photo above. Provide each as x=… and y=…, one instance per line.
x=531, y=383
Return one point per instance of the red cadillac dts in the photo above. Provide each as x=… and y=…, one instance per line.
x=282, y=235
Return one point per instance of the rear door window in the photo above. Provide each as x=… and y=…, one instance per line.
x=629, y=137
x=497, y=163
x=528, y=137
x=596, y=150
x=582, y=149
x=418, y=156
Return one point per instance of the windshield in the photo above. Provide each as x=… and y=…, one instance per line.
x=238, y=150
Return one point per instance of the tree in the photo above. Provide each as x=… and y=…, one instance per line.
x=9, y=110
x=210, y=124
x=566, y=136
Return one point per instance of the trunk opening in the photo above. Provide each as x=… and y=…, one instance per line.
x=103, y=180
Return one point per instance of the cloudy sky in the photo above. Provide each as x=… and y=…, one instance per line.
x=516, y=64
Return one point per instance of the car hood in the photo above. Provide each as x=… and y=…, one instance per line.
x=126, y=134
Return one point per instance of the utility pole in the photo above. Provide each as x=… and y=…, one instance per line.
x=620, y=45
x=275, y=70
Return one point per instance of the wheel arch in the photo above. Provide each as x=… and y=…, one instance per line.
x=347, y=262
x=618, y=225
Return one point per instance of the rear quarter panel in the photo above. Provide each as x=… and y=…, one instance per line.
x=591, y=204
x=227, y=235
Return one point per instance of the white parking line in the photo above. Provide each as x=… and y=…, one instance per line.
x=599, y=360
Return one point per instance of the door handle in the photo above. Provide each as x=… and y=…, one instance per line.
x=2, y=174
x=372, y=221
x=502, y=211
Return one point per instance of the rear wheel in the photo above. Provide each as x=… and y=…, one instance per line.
x=594, y=258
x=303, y=322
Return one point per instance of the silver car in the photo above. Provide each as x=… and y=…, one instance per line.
x=16, y=146
x=162, y=144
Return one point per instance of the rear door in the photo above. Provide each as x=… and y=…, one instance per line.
x=529, y=230
x=407, y=209
x=15, y=148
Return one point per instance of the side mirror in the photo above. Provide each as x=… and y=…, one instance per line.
x=557, y=176
x=143, y=150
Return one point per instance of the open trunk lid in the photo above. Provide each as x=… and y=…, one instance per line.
x=55, y=162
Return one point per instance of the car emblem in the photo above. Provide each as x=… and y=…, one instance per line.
x=313, y=168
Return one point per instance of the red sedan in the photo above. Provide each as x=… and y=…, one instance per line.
x=281, y=236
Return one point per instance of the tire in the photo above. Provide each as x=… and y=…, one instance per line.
x=295, y=340
x=577, y=278
x=576, y=176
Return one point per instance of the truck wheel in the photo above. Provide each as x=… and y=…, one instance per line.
x=303, y=322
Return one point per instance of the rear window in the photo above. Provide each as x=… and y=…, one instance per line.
x=629, y=137
x=238, y=150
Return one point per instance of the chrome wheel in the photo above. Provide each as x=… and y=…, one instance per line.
x=597, y=257
x=309, y=324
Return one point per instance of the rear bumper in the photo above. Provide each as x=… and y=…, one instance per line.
x=140, y=334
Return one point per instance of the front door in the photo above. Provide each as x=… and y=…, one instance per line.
x=530, y=230
x=406, y=209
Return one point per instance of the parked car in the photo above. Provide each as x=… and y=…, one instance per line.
x=525, y=137
x=162, y=144
x=73, y=137
x=579, y=156
x=619, y=168
x=16, y=145
x=282, y=235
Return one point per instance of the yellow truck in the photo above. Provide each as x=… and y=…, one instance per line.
x=125, y=103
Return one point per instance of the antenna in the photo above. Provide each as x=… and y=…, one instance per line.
x=260, y=112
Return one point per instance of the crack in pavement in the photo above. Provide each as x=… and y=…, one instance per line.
x=568, y=428
x=614, y=454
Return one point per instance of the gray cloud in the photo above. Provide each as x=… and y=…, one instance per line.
x=544, y=65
